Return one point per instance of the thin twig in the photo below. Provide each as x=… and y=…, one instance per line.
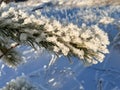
x=9, y=50
x=106, y=70
x=100, y=85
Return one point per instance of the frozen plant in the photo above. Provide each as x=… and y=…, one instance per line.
x=88, y=43
x=80, y=3
x=20, y=83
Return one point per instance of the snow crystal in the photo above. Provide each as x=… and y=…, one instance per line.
x=23, y=37
x=106, y=20
x=51, y=80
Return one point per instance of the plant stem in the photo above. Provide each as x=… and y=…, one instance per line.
x=9, y=50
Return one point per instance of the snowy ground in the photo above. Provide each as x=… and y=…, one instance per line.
x=63, y=75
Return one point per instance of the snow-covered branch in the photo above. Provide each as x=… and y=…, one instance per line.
x=75, y=3
x=20, y=83
x=89, y=43
x=79, y=3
